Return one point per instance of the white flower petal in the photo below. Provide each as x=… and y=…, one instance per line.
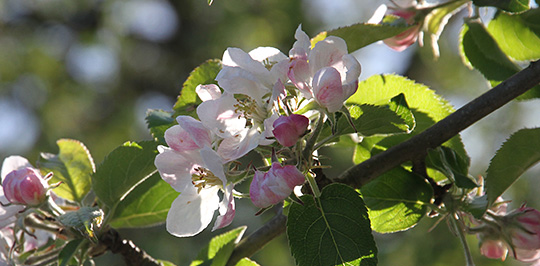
x=176, y=168
x=12, y=163
x=208, y=92
x=190, y=213
x=267, y=53
x=226, y=209
x=219, y=115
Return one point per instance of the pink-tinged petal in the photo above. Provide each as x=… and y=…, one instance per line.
x=527, y=255
x=279, y=71
x=197, y=131
x=190, y=213
x=278, y=93
x=13, y=162
x=257, y=191
x=327, y=89
x=226, y=209
x=240, y=144
x=327, y=53
x=403, y=40
x=302, y=45
x=176, y=168
x=219, y=115
x=208, y=92
x=493, y=249
x=300, y=75
x=7, y=213
x=25, y=186
x=179, y=139
x=268, y=127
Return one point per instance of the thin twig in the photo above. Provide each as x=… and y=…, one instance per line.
x=443, y=130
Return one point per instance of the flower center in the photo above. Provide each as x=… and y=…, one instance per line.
x=203, y=178
x=251, y=110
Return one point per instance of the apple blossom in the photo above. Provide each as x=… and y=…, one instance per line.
x=523, y=227
x=275, y=185
x=327, y=72
x=195, y=170
x=288, y=129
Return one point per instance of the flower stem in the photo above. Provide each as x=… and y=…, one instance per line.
x=459, y=230
x=313, y=184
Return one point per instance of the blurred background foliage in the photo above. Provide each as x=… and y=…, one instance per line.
x=89, y=70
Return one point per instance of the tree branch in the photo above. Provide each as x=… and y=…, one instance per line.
x=254, y=242
x=132, y=254
x=443, y=130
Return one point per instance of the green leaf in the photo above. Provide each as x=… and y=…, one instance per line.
x=399, y=105
x=477, y=206
x=73, y=166
x=507, y=5
x=517, y=35
x=396, y=200
x=187, y=101
x=516, y=155
x=68, y=252
x=146, y=205
x=158, y=121
x=122, y=170
x=452, y=165
x=166, y=263
x=426, y=106
x=437, y=19
x=220, y=248
x=331, y=230
x=362, y=34
x=247, y=262
x=480, y=51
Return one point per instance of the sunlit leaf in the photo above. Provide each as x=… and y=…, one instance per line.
x=437, y=19
x=73, y=166
x=426, y=106
x=396, y=200
x=333, y=229
x=220, y=248
x=517, y=35
x=188, y=100
x=517, y=154
x=507, y=5
x=399, y=105
x=146, y=205
x=247, y=262
x=123, y=169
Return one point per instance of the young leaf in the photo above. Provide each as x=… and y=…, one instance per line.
x=219, y=249
x=188, y=100
x=362, y=34
x=480, y=51
x=506, y=5
x=122, y=170
x=396, y=200
x=73, y=166
x=158, y=121
x=399, y=105
x=517, y=35
x=146, y=205
x=426, y=106
x=516, y=155
x=247, y=262
x=68, y=252
x=333, y=229
x=452, y=165
x=437, y=19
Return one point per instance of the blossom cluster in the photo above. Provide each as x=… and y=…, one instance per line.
x=262, y=99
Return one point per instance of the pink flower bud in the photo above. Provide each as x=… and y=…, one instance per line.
x=493, y=249
x=271, y=187
x=25, y=186
x=288, y=129
x=524, y=228
x=407, y=38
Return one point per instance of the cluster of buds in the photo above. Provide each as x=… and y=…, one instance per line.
x=516, y=232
